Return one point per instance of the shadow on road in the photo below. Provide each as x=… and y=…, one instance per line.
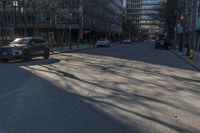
x=159, y=98
x=94, y=91
x=35, y=61
x=143, y=52
x=33, y=104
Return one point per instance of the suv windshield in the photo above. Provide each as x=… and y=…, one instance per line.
x=20, y=41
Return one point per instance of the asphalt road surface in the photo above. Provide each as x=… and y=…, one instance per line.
x=124, y=89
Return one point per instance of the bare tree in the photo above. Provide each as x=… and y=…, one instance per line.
x=4, y=20
x=171, y=8
x=167, y=13
x=129, y=27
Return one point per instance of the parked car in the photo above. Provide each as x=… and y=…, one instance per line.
x=162, y=43
x=104, y=42
x=141, y=39
x=25, y=49
x=126, y=41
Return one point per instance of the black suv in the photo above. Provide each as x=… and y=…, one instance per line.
x=25, y=49
x=162, y=43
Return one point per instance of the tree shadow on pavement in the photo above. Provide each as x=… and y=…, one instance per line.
x=35, y=61
x=120, y=97
x=92, y=93
x=141, y=53
x=36, y=105
x=147, y=118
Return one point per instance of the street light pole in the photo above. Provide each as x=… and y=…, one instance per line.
x=25, y=17
x=15, y=4
x=70, y=29
x=3, y=21
x=94, y=36
x=81, y=19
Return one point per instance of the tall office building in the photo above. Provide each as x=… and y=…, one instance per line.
x=103, y=16
x=92, y=17
x=146, y=15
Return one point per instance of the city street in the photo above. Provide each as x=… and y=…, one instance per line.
x=129, y=88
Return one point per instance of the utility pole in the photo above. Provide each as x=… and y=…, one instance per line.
x=15, y=4
x=91, y=22
x=70, y=30
x=25, y=18
x=94, y=37
x=3, y=19
x=192, y=35
x=4, y=22
x=81, y=20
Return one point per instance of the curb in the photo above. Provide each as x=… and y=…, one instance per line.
x=69, y=51
x=187, y=61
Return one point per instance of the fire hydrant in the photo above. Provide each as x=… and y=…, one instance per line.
x=191, y=53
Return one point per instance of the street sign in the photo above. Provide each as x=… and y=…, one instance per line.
x=198, y=23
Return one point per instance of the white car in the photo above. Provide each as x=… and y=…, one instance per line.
x=126, y=41
x=104, y=42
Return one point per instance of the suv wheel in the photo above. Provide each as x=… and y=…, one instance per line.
x=25, y=56
x=46, y=53
x=4, y=60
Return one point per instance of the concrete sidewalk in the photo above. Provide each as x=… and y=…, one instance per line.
x=65, y=48
x=195, y=62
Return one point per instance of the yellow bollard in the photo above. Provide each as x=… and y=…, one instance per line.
x=191, y=53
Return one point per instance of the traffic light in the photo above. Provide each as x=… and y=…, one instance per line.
x=182, y=18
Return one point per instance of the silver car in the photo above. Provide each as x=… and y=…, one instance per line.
x=126, y=41
x=104, y=42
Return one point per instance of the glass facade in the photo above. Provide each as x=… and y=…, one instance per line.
x=103, y=15
x=145, y=14
x=37, y=17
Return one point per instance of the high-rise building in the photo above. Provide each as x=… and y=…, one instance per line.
x=146, y=15
x=85, y=19
x=103, y=16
